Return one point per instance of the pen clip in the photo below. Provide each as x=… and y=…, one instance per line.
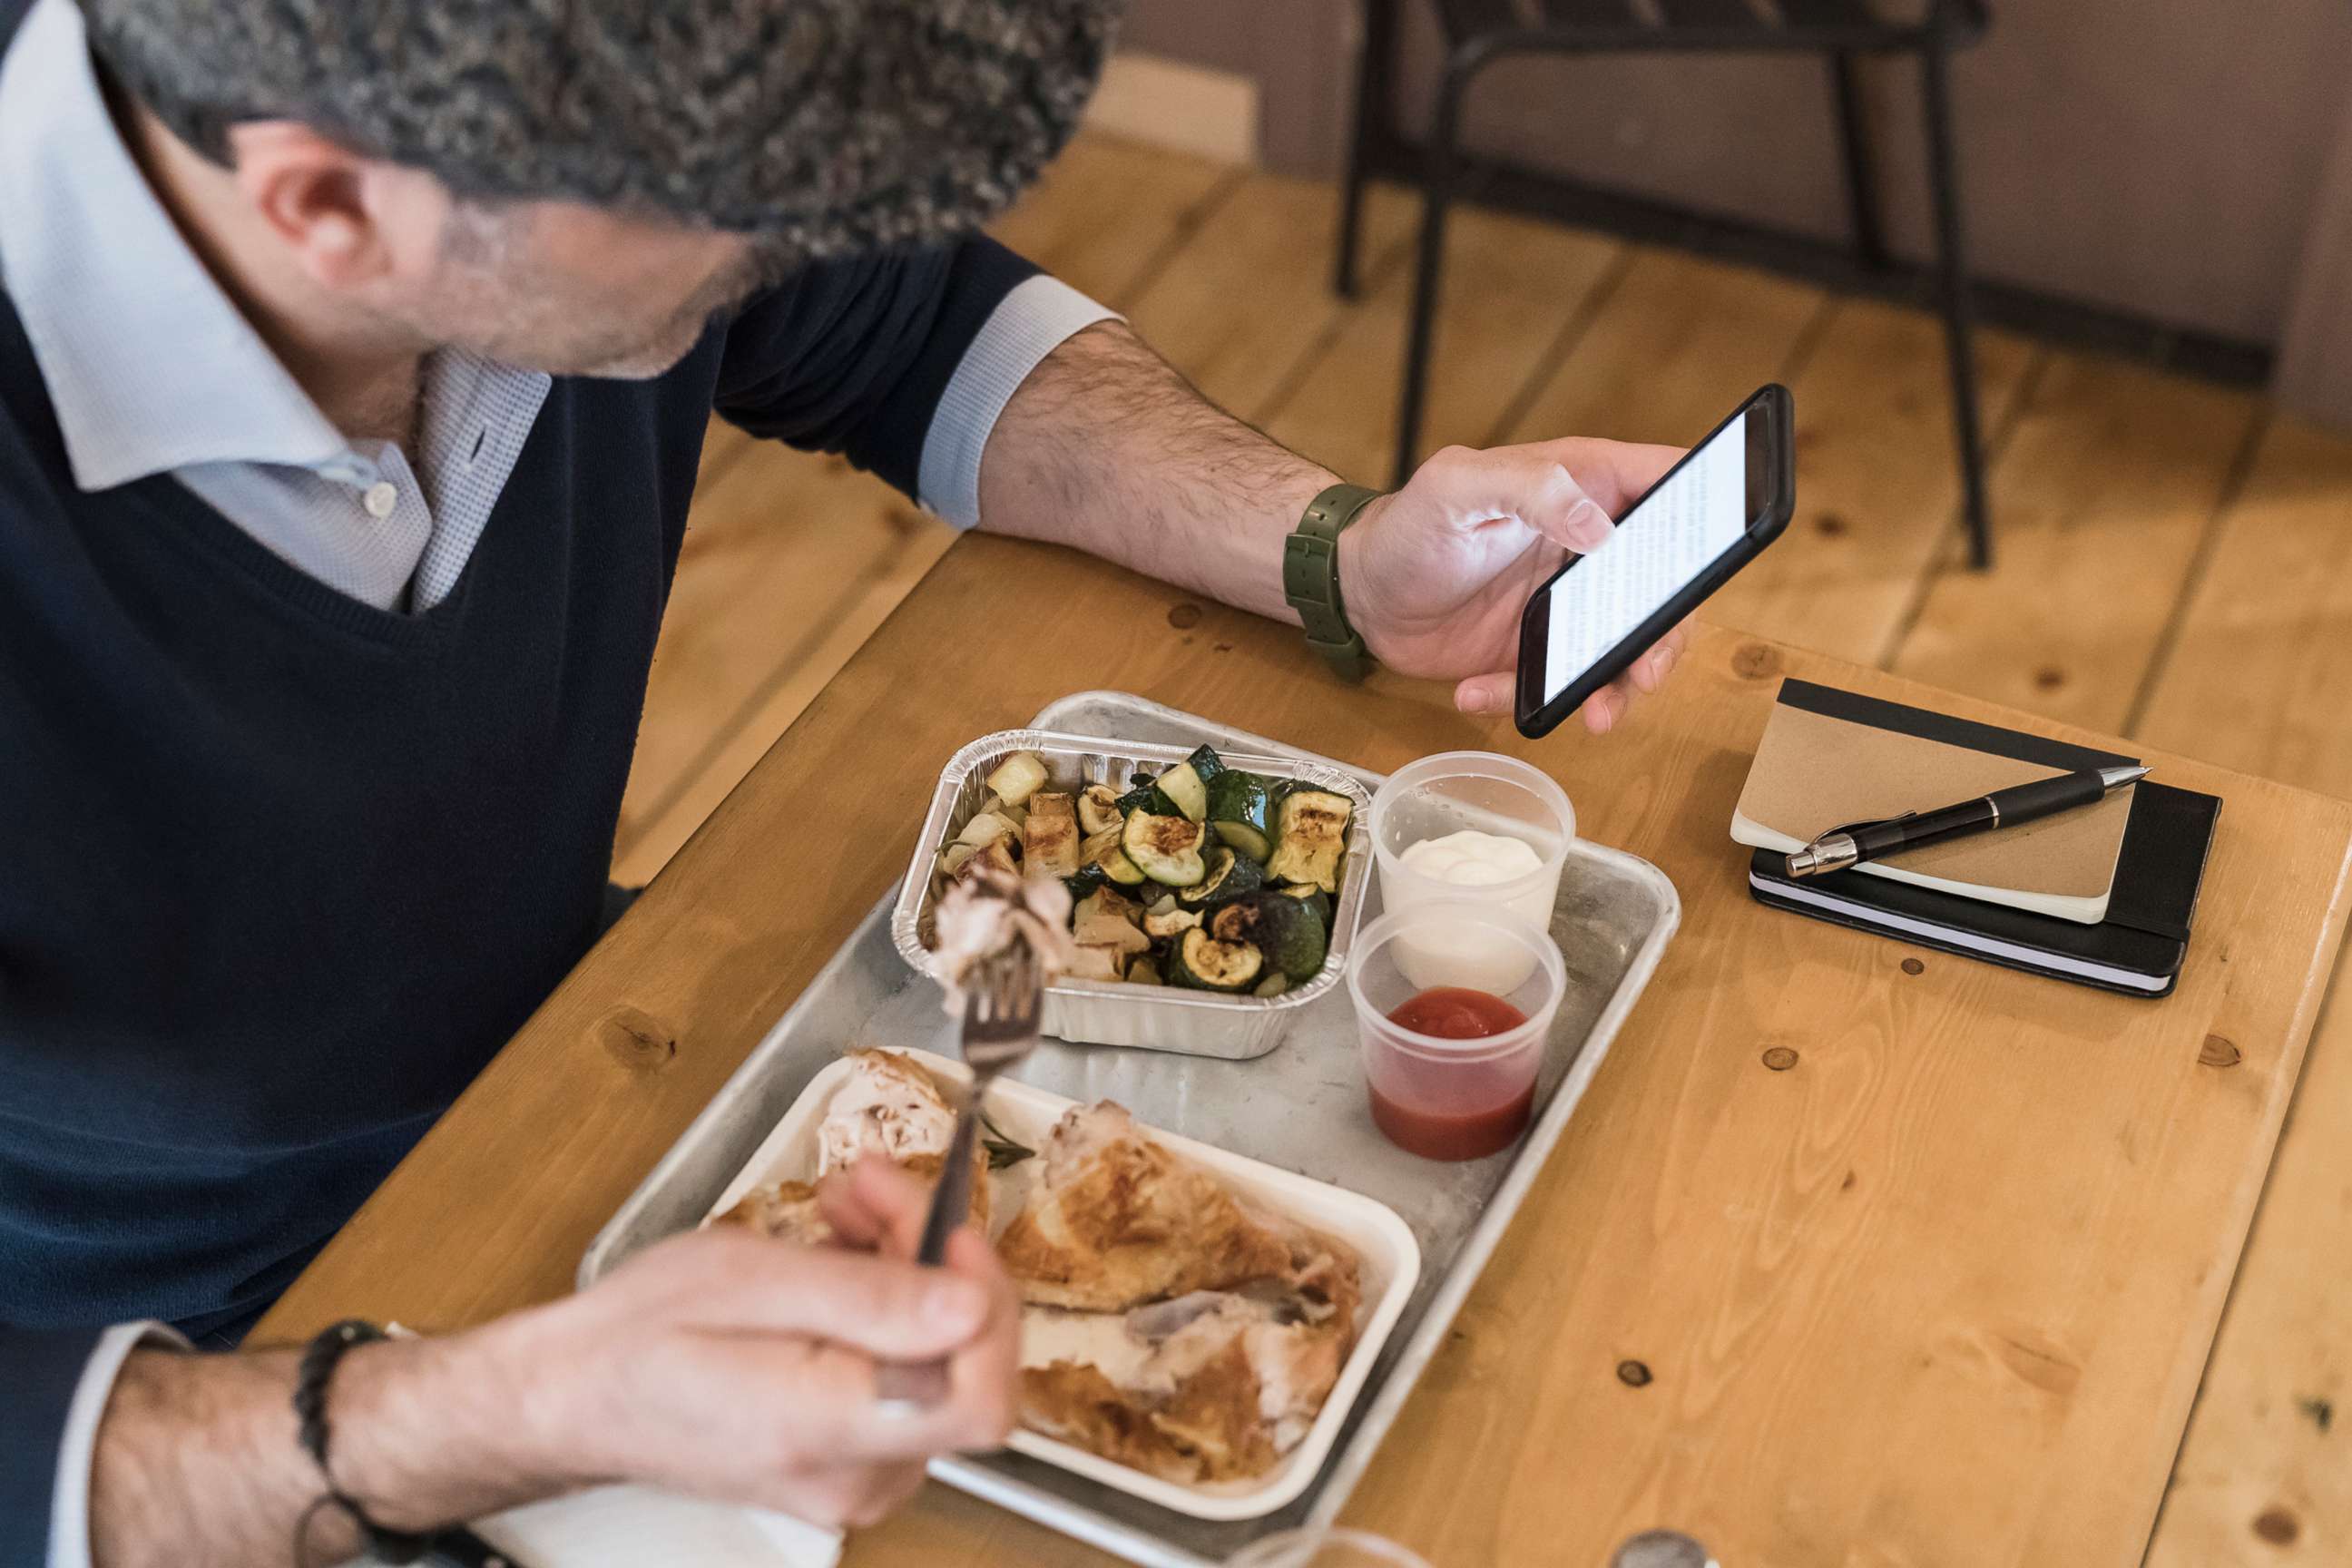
x=1870, y=822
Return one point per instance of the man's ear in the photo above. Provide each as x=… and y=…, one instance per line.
x=347, y=220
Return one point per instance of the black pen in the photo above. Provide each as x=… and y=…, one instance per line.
x=1845, y=846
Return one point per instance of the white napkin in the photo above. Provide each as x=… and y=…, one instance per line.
x=638, y=1527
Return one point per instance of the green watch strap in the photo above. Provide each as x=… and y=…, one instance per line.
x=1311, y=578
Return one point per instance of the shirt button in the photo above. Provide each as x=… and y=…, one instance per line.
x=380, y=497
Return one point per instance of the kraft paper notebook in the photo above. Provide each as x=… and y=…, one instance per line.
x=1830, y=758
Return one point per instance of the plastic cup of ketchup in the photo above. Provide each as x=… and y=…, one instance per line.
x=1450, y=1062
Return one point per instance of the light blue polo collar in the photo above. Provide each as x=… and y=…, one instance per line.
x=150, y=366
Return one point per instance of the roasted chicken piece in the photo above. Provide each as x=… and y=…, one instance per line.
x=788, y=1211
x=1213, y=1386
x=1116, y=1221
x=887, y=1108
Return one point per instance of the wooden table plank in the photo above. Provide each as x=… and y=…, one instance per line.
x=2254, y=680
x=1878, y=491
x=792, y=561
x=2105, y=495
x=1938, y=1293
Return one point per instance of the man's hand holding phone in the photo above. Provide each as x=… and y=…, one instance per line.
x=1491, y=565
x=1438, y=575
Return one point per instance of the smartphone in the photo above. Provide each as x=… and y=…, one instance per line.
x=1713, y=513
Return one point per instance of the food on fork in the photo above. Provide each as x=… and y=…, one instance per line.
x=987, y=913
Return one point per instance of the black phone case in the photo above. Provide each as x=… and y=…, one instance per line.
x=1535, y=722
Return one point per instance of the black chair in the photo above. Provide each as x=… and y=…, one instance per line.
x=1479, y=31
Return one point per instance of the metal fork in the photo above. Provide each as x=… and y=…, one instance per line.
x=999, y=1029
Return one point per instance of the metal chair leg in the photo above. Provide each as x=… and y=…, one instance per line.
x=1952, y=286
x=1438, y=175
x=1371, y=110
x=1861, y=167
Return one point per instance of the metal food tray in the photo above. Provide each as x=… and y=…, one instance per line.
x=1112, y=1013
x=1301, y=1107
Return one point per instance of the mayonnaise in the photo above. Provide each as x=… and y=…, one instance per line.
x=1452, y=867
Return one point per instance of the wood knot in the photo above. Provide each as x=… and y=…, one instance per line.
x=2277, y=1526
x=2219, y=1052
x=1184, y=616
x=1634, y=1374
x=1912, y=966
x=1754, y=661
x=2049, y=678
x=636, y=1039
x=1779, y=1058
x=1830, y=525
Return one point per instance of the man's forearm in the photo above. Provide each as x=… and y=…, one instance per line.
x=199, y=1462
x=1107, y=449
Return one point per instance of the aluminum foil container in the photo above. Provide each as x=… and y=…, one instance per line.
x=1109, y=1013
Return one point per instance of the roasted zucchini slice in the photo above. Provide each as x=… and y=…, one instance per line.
x=1284, y=929
x=1099, y=809
x=1314, y=897
x=1206, y=765
x=1084, y=880
x=1229, y=876
x=1018, y=777
x=1311, y=838
x=1201, y=962
x=1241, y=809
x=1183, y=788
x=1049, y=839
x=1165, y=848
x=1145, y=796
x=1102, y=852
x=1273, y=984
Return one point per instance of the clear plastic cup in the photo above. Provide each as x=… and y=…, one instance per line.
x=1441, y=1097
x=1324, y=1549
x=1467, y=800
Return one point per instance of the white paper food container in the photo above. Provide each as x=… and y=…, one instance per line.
x=1390, y=1261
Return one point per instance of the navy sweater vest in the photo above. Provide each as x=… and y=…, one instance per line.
x=279, y=871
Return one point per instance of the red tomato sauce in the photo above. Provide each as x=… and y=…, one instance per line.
x=1469, y=1124
x=1457, y=1013
x=1437, y=1136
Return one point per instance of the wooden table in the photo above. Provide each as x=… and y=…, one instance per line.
x=1854, y=1255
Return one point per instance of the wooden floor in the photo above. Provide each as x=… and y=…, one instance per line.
x=2176, y=565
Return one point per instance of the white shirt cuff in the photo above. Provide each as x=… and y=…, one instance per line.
x=1033, y=320
x=77, y=1449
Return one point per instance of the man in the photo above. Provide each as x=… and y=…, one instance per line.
x=354, y=362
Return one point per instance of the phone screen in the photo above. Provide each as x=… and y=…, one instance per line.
x=1671, y=536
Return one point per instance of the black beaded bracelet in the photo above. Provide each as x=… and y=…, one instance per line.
x=317, y=1369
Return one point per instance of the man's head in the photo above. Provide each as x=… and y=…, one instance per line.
x=580, y=186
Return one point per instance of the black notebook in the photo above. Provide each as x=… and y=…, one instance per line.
x=2136, y=948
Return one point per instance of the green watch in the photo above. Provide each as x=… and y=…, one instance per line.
x=1311, y=578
